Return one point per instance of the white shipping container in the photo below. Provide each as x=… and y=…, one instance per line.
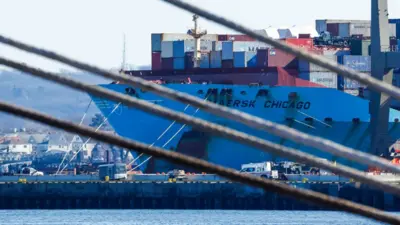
x=360, y=29
x=328, y=79
x=167, y=49
x=183, y=36
x=392, y=29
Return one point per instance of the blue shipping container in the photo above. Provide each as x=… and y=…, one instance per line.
x=344, y=29
x=216, y=59
x=179, y=63
x=357, y=62
x=305, y=66
x=394, y=20
x=205, y=60
x=179, y=49
x=239, y=59
x=227, y=50
x=251, y=58
x=156, y=42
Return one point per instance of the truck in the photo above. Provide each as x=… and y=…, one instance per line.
x=114, y=171
x=263, y=169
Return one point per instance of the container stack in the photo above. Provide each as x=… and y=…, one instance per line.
x=221, y=51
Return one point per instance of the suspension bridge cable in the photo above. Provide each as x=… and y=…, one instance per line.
x=213, y=128
x=225, y=112
x=174, y=157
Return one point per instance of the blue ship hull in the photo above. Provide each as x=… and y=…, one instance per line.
x=337, y=116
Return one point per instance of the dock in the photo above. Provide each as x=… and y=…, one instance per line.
x=217, y=194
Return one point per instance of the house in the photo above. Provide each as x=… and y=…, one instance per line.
x=42, y=141
x=21, y=143
x=57, y=143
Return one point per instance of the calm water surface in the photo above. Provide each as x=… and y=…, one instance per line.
x=175, y=217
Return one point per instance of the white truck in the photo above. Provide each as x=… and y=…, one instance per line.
x=263, y=169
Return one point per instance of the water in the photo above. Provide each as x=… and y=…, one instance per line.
x=177, y=217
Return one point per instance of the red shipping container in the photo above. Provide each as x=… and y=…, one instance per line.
x=278, y=58
x=333, y=28
x=300, y=42
x=156, y=61
x=286, y=77
x=167, y=63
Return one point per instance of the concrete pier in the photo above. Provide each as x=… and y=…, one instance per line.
x=165, y=195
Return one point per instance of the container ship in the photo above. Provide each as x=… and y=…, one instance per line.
x=239, y=72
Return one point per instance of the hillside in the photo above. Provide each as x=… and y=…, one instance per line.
x=45, y=96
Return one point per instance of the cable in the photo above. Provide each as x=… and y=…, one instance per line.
x=82, y=119
x=225, y=112
x=173, y=136
x=159, y=137
x=174, y=157
x=211, y=128
x=87, y=141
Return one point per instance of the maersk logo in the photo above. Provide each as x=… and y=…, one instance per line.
x=267, y=104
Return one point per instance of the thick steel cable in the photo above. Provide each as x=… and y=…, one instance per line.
x=207, y=126
x=222, y=111
x=268, y=185
x=312, y=58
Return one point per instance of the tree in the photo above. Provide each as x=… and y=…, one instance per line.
x=98, y=119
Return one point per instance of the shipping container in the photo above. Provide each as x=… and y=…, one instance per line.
x=227, y=63
x=179, y=63
x=286, y=77
x=205, y=60
x=239, y=59
x=359, y=63
x=262, y=58
x=178, y=49
x=360, y=29
x=251, y=58
x=352, y=84
x=320, y=26
x=215, y=59
x=301, y=42
x=167, y=63
x=156, y=42
x=392, y=29
x=183, y=36
x=394, y=20
x=305, y=66
x=366, y=47
x=167, y=49
x=278, y=58
x=344, y=30
x=217, y=46
x=285, y=33
x=327, y=79
x=235, y=37
x=333, y=29
x=227, y=50
x=304, y=35
x=244, y=46
x=393, y=44
x=189, y=60
x=156, y=61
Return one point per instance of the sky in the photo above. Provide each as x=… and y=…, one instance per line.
x=92, y=30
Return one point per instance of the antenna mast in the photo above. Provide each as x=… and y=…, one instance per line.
x=123, y=55
x=196, y=34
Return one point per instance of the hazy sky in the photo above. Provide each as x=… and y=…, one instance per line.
x=92, y=30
